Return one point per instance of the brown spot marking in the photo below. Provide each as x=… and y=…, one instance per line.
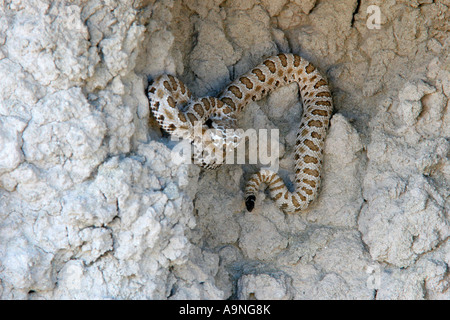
x=247, y=82
x=307, y=191
x=323, y=103
x=152, y=90
x=289, y=70
x=259, y=74
x=229, y=102
x=318, y=112
x=301, y=150
x=296, y=157
x=269, y=64
x=182, y=117
x=192, y=118
x=286, y=195
x=304, y=132
x=304, y=87
x=213, y=102
x=302, y=197
x=309, y=159
x=273, y=177
x=277, y=188
x=198, y=108
x=295, y=202
x=299, y=71
x=310, y=68
x=309, y=182
x=160, y=93
x=323, y=94
x=283, y=59
x=206, y=103
x=220, y=104
x=271, y=80
x=278, y=196
x=311, y=145
x=315, y=123
x=235, y=90
x=167, y=85
x=284, y=206
x=173, y=82
x=278, y=180
x=183, y=88
x=320, y=83
x=297, y=60
x=258, y=88
x=313, y=78
x=315, y=135
x=311, y=172
x=172, y=127
x=227, y=110
x=171, y=102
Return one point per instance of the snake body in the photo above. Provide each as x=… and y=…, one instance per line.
x=177, y=112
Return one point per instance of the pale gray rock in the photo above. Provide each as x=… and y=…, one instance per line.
x=94, y=203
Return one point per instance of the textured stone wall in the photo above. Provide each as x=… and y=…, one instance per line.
x=92, y=205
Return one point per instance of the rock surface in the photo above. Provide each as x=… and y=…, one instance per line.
x=94, y=206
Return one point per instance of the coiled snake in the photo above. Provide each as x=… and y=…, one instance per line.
x=177, y=112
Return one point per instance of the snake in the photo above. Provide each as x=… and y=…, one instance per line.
x=209, y=123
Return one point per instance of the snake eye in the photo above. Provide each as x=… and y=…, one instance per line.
x=209, y=123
